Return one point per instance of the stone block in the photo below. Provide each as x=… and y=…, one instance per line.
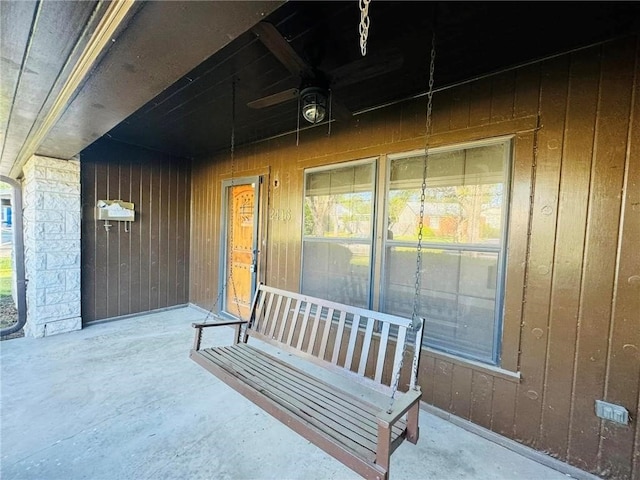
x=63, y=165
x=39, y=262
x=72, y=221
x=60, y=311
x=58, y=246
x=34, y=233
x=37, y=200
x=49, y=296
x=62, y=260
x=56, y=288
x=52, y=228
x=53, y=327
x=54, y=298
x=71, y=177
x=44, y=279
x=28, y=264
x=49, y=216
x=72, y=279
x=61, y=201
x=62, y=236
x=57, y=187
x=41, y=161
x=28, y=168
x=41, y=297
x=39, y=172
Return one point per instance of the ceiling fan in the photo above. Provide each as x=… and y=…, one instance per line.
x=315, y=84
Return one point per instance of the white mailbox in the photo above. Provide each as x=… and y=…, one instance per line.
x=115, y=210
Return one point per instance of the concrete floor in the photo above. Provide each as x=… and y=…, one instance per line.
x=122, y=400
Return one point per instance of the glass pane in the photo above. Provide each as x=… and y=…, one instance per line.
x=337, y=271
x=339, y=203
x=457, y=297
x=463, y=198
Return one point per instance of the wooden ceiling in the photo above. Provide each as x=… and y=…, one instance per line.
x=164, y=78
x=193, y=116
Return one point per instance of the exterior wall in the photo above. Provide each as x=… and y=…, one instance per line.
x=146, y=268
x=51, y=190
x=571, y=330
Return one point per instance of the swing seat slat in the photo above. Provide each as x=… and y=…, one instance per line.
x=355, y=429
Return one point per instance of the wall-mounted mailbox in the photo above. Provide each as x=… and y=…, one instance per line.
x=115, y=210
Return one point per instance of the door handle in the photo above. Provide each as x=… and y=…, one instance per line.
x=254, y=257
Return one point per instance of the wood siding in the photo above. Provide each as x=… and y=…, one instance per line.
x=146, y=268
x=572, y=302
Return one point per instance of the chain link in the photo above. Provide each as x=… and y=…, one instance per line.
x=415, y=320
x=364, y=25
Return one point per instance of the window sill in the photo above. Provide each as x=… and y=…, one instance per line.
x=474, y=365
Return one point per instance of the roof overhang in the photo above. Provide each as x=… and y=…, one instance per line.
x=71, y=71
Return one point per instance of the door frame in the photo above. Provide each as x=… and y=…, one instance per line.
x=255, y=180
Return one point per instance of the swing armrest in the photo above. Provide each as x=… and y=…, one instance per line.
x=218, y=324
x=200, y=326
x=400, y=407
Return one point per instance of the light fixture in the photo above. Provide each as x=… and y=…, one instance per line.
x=314, y=104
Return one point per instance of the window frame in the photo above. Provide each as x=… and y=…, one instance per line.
x=379, y=243
x=501, y=267
x=374, y=162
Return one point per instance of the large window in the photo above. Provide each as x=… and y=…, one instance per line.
x=463, y=246
x=337, y=233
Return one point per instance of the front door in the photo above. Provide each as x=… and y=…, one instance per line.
x=240, y=240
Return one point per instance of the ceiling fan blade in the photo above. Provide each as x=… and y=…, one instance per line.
x=280, y=48
x=366, y=68
x=274, y=99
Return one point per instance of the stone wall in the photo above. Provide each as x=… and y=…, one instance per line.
x=52, y=211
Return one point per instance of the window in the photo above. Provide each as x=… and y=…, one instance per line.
x=338, y=232
x=463, y=246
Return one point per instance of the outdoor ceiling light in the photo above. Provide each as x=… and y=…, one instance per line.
x=314, y=104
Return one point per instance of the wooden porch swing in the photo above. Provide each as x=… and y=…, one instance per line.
x=359, y=432
x=359, y=429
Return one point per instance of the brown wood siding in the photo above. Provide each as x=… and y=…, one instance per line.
x=572, y=301
x=146, y=268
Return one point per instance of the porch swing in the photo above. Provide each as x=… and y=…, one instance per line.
x=359, y=429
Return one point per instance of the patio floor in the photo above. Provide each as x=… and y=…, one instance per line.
x=122, y=400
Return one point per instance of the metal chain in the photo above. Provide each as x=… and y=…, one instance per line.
x=415, y=320
x=364, y=25
x=233, y=169
x=217, y=300
x=418, y=280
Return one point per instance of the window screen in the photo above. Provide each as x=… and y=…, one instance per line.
x=337, y=233
x=463, y=243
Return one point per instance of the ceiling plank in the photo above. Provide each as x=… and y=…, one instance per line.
x=16, y=22
x=283, y=96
